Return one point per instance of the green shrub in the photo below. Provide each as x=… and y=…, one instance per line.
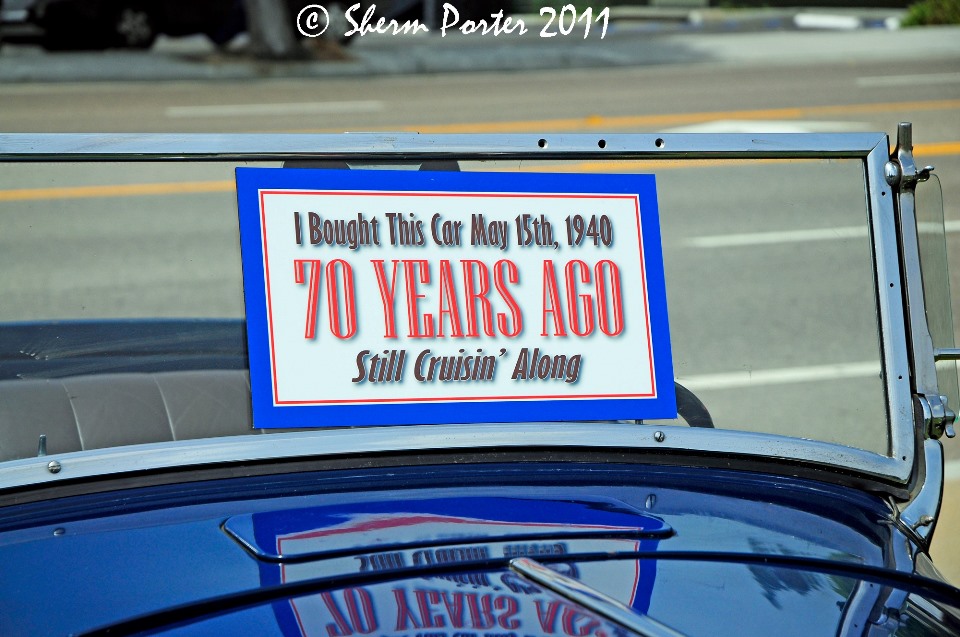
x=932, y=12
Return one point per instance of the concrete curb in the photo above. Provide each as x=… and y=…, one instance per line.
x=719, y=20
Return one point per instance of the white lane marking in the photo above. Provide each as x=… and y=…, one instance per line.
x=289, y=108
x=780, y=376
x=908, y=80
x=826, y=21
x=798, y=236
x=782, y=236
x=772, y=126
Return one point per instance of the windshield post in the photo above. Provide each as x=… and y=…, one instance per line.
x=902, y=174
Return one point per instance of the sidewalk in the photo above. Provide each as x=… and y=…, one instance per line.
x=634, y=38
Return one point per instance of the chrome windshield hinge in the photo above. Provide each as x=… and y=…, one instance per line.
x=947, y=354
x=901, y=171
x=898, y=178
x=937, y=416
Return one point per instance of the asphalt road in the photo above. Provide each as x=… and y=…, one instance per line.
x=786, y=304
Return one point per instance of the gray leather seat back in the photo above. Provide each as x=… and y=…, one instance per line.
x=112, y=410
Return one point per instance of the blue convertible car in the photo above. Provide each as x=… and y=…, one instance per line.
x=472, y=386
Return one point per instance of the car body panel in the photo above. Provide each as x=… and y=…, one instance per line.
x=79, y=24
x=173, y=549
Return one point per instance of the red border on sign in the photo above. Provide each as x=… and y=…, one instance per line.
x=377, y=193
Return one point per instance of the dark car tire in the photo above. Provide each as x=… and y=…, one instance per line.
x=66, y=27
x=61, y=39
x=132, y=26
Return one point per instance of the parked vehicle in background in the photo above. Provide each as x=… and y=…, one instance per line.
x=99, y=24
x=61, y=25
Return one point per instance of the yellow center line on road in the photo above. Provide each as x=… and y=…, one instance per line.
x=936, y=149
x=117, y=190
x=922, y=151
x=679, y=119
x=594, y=122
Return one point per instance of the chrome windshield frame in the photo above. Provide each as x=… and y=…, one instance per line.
x=52, y=147
x=872, y=149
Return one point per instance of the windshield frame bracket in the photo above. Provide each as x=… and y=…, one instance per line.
x=935, y=418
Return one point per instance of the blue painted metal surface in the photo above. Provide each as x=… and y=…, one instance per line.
x=733, y=565
x=390, y=525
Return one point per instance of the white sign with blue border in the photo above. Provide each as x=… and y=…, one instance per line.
x=379, y=297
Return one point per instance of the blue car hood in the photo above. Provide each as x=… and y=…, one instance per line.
x=700, y=552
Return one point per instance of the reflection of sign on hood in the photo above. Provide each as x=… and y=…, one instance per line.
x=401, y=536
x=435, y=522
x=432, y=607
x=406, y=528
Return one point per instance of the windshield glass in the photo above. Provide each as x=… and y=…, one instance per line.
x=932, y=240
x=768, y=265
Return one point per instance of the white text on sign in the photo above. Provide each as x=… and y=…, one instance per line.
x=314, y=20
